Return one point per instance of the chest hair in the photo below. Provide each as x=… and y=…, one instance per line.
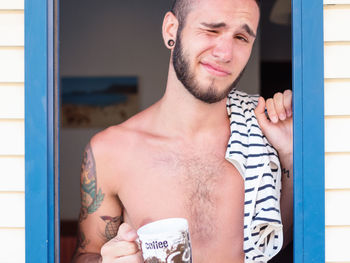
x=199, y=180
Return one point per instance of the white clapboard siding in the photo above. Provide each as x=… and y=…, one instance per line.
x=12, y=171
x=337, y=131
x=340, y=2
x=12, y=174
x=11, y=137
x=337, y=60
x=337, y=172
x=13, y=204
x=12, y=4
x=337, y=244
x=11, y=64
x=11, y=101
x=12, y=248
x=334, y=200
x=12, y=28
x=337, y=94
x=334, y=20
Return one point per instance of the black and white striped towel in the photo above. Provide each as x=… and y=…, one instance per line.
x=258, y=163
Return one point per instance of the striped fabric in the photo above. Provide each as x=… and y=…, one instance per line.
x=258, y=163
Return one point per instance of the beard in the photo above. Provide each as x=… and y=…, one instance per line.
x=207, y=94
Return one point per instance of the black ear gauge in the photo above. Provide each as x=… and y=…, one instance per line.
x=171, y=43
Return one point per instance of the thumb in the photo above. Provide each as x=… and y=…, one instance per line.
x=126, y=233
x=260, y=113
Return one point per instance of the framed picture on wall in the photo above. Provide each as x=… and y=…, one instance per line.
x=98, y=101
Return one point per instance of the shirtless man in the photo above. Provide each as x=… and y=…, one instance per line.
x=169, y=160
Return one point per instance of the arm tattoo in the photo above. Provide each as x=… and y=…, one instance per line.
x=286, y=172
x=91, y=198
x=82, y=241
x=112, y=226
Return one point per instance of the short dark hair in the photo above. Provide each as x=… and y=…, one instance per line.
x=181, y=8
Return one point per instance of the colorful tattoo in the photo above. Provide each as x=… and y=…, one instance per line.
x=112, y=226
x=286, y=172
x=91, y=198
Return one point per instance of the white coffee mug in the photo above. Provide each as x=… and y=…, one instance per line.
x=166, y=241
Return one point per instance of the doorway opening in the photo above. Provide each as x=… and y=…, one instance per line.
x=114, y=50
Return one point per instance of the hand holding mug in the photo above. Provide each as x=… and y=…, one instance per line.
x=123, y=248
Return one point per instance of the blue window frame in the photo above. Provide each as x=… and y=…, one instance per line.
x=308, y=87
x=41, y=132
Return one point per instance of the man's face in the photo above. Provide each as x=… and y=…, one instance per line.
x=213, y=48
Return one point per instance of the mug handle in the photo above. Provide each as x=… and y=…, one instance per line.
x=138, y=242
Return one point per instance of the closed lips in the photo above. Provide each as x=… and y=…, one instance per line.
x=215, y=69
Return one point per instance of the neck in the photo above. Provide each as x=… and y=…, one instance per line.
x=186, y=116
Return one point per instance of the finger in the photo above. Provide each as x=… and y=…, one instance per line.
x=279, y=106
x=260, y=112
x=116, y=249
x=271, y=111
x=126, y=233
x=136, y=258
x=288, y=102
x=260, y=108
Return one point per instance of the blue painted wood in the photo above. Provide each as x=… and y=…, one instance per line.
x=308, y=86
x=51, y=129
x=54, y=10
x=298, y=132
x=39, y=188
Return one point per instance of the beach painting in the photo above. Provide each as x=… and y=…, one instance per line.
x=98, y=102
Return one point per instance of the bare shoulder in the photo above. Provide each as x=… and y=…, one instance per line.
x=118, y=139
x=112, y=147
x=124, y=136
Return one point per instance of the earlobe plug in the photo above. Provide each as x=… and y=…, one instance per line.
x=171, y=43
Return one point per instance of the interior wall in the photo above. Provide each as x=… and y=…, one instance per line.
x=116, y=38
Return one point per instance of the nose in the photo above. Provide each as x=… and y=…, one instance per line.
x=223, y=50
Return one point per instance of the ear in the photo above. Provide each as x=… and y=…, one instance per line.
x=170, y=26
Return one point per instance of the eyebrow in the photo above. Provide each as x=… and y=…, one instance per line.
x=245, y=27
x=249, y=30
x=214, y=25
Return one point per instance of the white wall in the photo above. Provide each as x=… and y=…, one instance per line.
x=337, y=129
x=12, y=239
x=115, y=38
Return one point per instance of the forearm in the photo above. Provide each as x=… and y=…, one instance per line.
x=287, y=197
x=86, y=258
